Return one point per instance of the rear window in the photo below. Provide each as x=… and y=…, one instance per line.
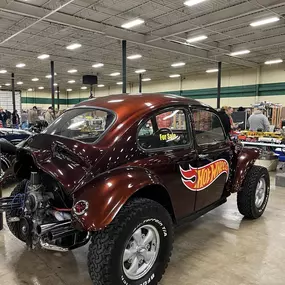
x=83, y=124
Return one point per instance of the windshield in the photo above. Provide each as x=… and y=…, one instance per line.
x=83, y=124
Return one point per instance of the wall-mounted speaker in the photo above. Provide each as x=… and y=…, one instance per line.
x=90, y=79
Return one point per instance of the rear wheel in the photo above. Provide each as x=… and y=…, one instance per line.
x=135, y=248
x=252, y=199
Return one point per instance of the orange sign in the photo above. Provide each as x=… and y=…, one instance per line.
x=197, y=179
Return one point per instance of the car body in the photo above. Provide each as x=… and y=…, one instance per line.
x=110, y=154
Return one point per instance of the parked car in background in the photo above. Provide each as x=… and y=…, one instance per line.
x=122, y=171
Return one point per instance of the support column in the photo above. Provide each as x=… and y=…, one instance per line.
x=13, y=92
x=258, y=71
x=124, y=66
x=57, y=89
x=52, y=83
x=140, y=83
x=219, y=85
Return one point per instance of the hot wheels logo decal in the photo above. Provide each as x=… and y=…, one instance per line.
x=197, y=179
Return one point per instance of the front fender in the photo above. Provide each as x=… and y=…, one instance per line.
x=245, y=159
x=107, y=193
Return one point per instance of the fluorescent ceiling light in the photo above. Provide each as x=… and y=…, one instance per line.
x=146, y=79
x=20, y=82
x=74, y=46
x=30, y=89
x=196, y=39
x=132, y=24
x=3, y=71
x=69, y=90
x=7, y=84
x=43, y=56
x=49, y=75
x=35, y=79
x=119, y=83
x=212, y=70
x=193, y=2
x=274, y=61
x=41, y=88
x=83, y=87
x=20, y=65
x=241, y=52
x=101, y=85
x=115, y=74
x=72, y=71
x=55, y=84
x=265, y=21
x=97, y=65
x=177, y=64
x=71, y=81
x=134, y=56
x=174, y=75
x=140, y=71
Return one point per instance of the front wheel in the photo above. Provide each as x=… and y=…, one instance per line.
x=135, y=248
x=253, y=197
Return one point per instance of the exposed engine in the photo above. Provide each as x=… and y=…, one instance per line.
x=41, y=214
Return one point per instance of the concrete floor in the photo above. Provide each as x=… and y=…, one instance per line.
x=219, y=248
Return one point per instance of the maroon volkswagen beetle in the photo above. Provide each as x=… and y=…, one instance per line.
x=122, y=171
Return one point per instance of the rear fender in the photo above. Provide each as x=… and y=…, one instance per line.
x=245, y=160
x=107, y=193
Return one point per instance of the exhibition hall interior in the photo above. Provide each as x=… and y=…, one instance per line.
x=142, y=142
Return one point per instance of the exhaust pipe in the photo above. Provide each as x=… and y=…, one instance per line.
x=46, y=228
x=54, y=235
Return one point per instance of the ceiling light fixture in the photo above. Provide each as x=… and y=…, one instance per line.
x=3, y=71
x=49, y=75
x=7, y=84
x=196, y=39
x=20, y=65
x=178, y=64
x=274, y=61
x=265, y=21
x=30, y=89
x=101, y=85
x=68, y=90
x=115, y=74
x=83, y=87
x=74, y=46
x=72, y=71
x=120, y=83
x=20, y=82
x=174, y=75
x=134, y=56
x=41, y=88
x=43, y=56
x=146, y=79
x=132, y=23
x=97, y=65
x=140, y=71
x=241, y=52
x=55, y=84
x=193, y=2
x=71, y=81
x=212, y=70
x=35, y=79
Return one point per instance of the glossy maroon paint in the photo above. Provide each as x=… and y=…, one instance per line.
x=109, y=172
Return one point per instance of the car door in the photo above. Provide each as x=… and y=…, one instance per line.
x=214, y=155
x=166, y=140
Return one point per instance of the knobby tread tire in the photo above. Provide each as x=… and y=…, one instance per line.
x=14, y=227
x=246, y=197
x=103, y=242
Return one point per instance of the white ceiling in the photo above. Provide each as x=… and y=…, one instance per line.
x=32, y=27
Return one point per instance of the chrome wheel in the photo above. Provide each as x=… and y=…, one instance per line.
x=141, y=252
x=260, y=192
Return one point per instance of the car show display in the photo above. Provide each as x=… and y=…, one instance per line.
x=121, y=171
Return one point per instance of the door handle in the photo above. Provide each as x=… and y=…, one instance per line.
x=203, y=156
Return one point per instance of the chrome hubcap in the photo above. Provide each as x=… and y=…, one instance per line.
x=141, y=252
x=260, y=192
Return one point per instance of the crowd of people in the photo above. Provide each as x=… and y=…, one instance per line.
x=27, y=119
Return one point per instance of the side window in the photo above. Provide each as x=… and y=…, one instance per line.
x=165, y=129
x=207, y=127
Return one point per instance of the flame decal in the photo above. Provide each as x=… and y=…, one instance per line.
x=197, y=179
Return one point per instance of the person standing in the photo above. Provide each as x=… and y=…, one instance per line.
x=258, y=121
x=15, y=119
x=225, y=120
x=32, y=116
x=3, y=117
x=49, y=115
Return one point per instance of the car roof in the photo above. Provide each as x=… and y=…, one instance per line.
x=127, y=104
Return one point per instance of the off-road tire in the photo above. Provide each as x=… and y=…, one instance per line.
x=108, y=245
x=14, y=226
x=246, y=197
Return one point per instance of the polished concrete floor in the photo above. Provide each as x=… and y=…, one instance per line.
x=218, y=249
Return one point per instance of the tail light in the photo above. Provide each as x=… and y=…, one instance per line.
x=80, y=207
